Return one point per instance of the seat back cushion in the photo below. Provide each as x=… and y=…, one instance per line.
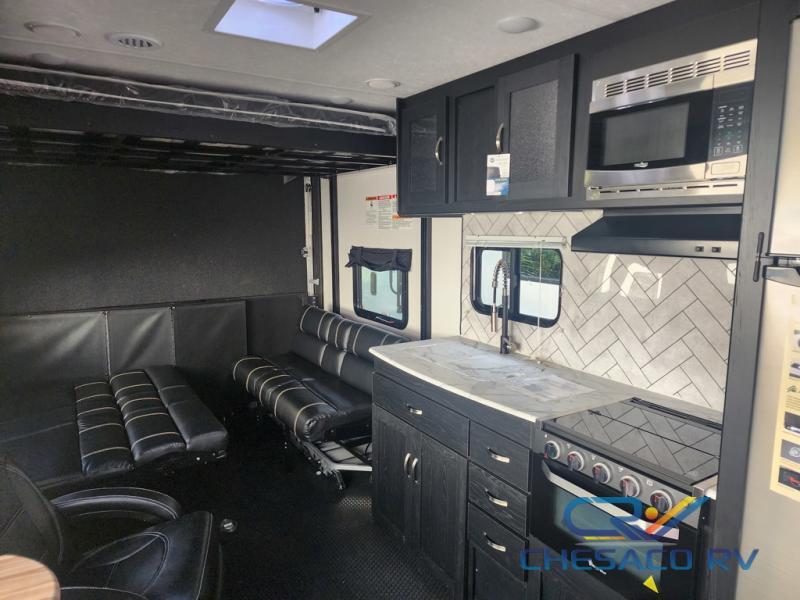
x=29, y=526
x=340, y=346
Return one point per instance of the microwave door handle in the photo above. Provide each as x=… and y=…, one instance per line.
x=609, y=509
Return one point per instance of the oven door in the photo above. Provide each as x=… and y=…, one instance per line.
x=623, y=566
x=660, y=142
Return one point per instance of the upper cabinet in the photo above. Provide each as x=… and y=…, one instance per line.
x=534, y=111
x=444, y=143
x=422, y=168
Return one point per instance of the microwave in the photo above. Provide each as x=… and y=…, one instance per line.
x=676, y=129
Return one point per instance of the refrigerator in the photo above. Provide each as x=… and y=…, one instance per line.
x=772, y=497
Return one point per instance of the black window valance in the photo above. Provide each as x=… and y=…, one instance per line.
x=380, y=259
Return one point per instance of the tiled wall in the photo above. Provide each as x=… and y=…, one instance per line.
x=655, y=322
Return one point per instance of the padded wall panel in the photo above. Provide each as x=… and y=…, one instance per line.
x=88, y=237
x=140, y=338
x=272, y=323
x=42, y=356
x=209, y=338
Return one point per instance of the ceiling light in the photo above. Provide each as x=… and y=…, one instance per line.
x=136, y=41
x=45, y=58
x=382, y=84
x=284, y=22
x=53, y=31
x=341, y=100
x=517, y=24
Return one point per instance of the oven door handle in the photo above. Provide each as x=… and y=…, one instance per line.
x=609, y=509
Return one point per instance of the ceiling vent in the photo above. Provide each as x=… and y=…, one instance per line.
x=133, y=40
x=704, y=64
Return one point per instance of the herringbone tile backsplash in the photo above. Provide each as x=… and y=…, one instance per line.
x=658, y=323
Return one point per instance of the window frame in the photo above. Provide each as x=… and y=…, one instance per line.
x=516, y=271
x=380, y=317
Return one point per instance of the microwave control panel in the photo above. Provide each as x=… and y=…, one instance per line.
x=730, y=121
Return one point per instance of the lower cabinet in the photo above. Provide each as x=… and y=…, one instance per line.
x=487, y=580
x=420, y=487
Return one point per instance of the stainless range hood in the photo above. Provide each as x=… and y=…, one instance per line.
x=699, y=233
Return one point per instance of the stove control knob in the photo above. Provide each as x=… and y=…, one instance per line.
x=575, y=461
x=601, y=473
x=629, y=486
x=661, y=500
x=552, y=450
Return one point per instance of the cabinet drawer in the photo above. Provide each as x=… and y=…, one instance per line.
x=442, y=424
x=500, y=456
x=499, y=500
x=497, y=541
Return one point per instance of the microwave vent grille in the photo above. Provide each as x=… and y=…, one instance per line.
x=682, y=72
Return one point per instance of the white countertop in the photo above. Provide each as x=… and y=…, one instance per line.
x=519, y=386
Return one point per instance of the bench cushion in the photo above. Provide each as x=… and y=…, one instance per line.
x=141, y=416
x=112, y=425
x=323, y=388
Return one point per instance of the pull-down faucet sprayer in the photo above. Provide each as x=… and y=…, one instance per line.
x=505, y=341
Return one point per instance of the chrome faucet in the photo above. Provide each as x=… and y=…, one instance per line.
x=505, y=340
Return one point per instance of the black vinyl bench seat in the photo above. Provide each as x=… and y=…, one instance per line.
x=138, y=417
x=112, y=425
x=322, y=389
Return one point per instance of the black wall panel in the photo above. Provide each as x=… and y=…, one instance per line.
x=42, y=356
x=91, y=237
x=272, y=324
x=140, y=338
x=209, y=338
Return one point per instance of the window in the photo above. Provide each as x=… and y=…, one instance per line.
x=284, y=22
x=380, y=284
x=535, y=295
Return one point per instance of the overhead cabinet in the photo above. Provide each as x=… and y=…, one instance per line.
x=421, y=147
x=444, y=143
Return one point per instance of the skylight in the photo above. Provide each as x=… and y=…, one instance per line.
x=284, y=22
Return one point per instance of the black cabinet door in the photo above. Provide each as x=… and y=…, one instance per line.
x=442, y=478
x=421, y=157
x=473, y=128
x=534, y=111
x=488, y=580
x=393, y=489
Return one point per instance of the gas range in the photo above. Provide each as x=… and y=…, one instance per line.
x=604, y=458
x=636, y=448
x=682, y=450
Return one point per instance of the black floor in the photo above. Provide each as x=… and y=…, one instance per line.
x=297, y=537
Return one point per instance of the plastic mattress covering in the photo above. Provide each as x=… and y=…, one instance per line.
x=113, y=91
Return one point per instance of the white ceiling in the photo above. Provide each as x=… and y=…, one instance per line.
x=420, y=43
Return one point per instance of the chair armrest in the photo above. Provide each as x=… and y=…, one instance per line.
x=129, y=503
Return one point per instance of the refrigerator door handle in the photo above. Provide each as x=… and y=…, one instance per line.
x=785, y=275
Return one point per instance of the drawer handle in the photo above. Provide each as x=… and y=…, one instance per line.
x=492, y=544
x=413, y=410
x=495, y=500
x=405, y=465
x=498, y=457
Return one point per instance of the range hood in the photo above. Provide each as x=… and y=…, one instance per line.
x=703, y=233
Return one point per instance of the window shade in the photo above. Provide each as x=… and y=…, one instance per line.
x=380, y=259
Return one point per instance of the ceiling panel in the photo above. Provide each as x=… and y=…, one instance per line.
x=419, y=43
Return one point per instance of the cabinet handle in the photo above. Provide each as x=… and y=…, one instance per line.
x=493, y=545
x=405, y=464
x=498, y=457
x=495, y=500
x=437, y=150
x=414, y=464
x=498, y=139
x=413, y=410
